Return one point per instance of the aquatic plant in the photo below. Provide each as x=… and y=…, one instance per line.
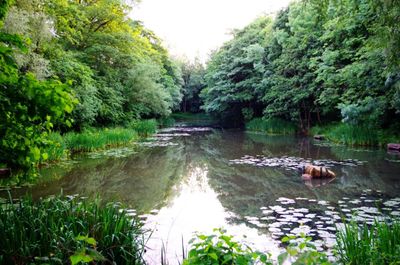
x=55, y=148
x=271, y=126
x=353, y=135
x=144, y=127
x=55, y=229
x=375, y=244
x=302, y=251
x=220, y=248
x=91, y=140
x=166, y=122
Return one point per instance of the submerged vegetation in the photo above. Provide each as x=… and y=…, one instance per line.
x=54, y=229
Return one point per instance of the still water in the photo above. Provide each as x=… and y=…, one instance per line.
x=195, y=179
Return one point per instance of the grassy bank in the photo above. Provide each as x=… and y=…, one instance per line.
x=94, y=139
x=59, y=230
x=356, y=135
x=271, y=126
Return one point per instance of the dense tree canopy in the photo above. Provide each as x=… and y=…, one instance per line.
x=76, y=63
x=102, y=53
x=317, y=61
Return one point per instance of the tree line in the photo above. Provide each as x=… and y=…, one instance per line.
x=67, y=65
x=315, y=62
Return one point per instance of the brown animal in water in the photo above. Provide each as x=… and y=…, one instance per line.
x=310, y=172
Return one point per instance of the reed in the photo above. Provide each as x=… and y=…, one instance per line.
x=376, y=244
x=48, y=231
x=166, y=122
x=92, y=140
x=353, y=135
x=55, y=147
x=144, y=127
x=271, y=126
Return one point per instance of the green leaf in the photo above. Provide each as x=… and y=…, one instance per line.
x=213, y=256
x=282, y=257
x=91, y=241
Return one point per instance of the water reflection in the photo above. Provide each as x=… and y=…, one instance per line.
x=194, y=186
x=196, y=208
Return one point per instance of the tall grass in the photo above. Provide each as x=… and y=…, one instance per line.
x=56, y=148
x=353, y=135
x=271, y=126
x=360, y=135
x=47, y=232
x=144, y=127
x=98, y=139
x=378, y=244
x=166, y=122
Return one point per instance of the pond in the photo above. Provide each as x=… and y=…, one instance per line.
x=189, y=179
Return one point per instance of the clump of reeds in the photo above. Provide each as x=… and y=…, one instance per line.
x=48, y=231
x=92, y=140
x=271, y=126
x=375, y=244
x=353, y=135
x=55, y=148
x=144, y=127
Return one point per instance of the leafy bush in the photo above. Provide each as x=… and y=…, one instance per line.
x=271, y=126
x=29, y=108
x=51, y=231
x=301, y=251
x=366, y=112
x=377, y=244
x=219, y=248
x=144, y=127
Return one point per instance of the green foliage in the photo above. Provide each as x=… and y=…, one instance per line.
x=366, y=112
x=193, y=75
x=80, y=63
x=50, y=231
x=29, y=109
x=97, y=139
x=376, y=244
x=354, y=135
x=271, y=126
x=357, y=135
x=316, y=61
x=235, y=71
x=301, y=251
x=144, y=127
x=55, y=148
x=220, y=248
x=87, y=253
x=166, y=122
